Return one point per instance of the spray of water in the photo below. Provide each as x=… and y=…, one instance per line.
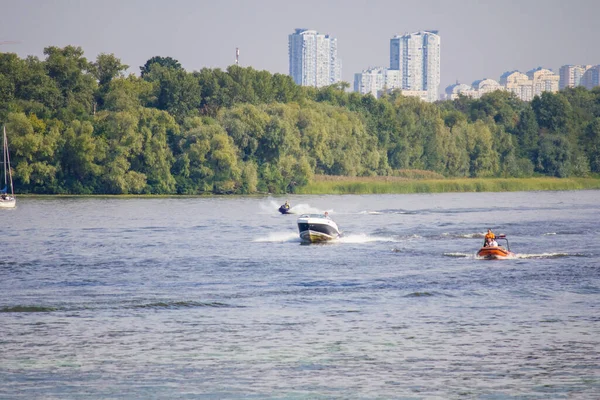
x=279, y=237
x=272, y=206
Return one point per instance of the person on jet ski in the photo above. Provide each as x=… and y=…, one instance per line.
x=287, y=204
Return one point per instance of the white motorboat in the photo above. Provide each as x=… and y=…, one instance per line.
x=316, y=228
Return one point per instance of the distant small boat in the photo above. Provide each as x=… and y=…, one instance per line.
x=496, y=252
x=316, y=228
x=7, y=194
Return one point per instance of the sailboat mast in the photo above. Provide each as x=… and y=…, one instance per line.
x=12, y=189
x=4, y=150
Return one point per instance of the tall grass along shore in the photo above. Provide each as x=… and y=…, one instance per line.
x=323, y=184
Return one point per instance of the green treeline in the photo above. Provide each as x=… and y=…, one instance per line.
x=81, y=127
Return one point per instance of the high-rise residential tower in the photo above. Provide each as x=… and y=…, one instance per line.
x=314, y=59
x=417, y=57
x=570, y=75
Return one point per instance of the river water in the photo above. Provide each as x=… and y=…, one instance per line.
x=216, y=298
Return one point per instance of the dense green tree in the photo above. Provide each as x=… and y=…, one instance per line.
x=80, y=158
x=33, y=144
x=129, y=94
x=108, y=67
x=554, y=156
x=527, y=131
x=166, y=62
x=553, y=112
x=71, y=72
x=591, y=144
x=176, y=91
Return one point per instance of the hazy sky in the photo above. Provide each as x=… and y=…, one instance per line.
x=479, y=38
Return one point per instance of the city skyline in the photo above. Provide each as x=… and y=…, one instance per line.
x=481, y=38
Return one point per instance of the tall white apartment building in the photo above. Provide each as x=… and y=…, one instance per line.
x=570, y=75
x=314, y=59
x=417, y=57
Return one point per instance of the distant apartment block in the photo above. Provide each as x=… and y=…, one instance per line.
x=417, y=58
x=454, y=91
x=313, y=58
x=524, y=86
x=376, y=80
x=476, y=90
x=543, y=80
x=518, y=83
x=591, y=77
x=570, y=75
x=379, y=81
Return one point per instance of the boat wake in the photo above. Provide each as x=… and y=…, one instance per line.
x=292, y=237
x=549, y=255
x=364, y=238
x=517, y=256
x=279, y=237
x=477, y=235
x=461, y=255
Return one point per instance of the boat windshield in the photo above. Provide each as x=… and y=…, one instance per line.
x=313, y=216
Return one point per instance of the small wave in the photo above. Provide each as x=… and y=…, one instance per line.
x=420, y=294
x=27, y=309
x=399, y=211
x=183, y=304
x=408, y=237
x=565, y=233
x=279, y=237
x=371, y=212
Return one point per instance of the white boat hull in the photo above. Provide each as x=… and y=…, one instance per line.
x=12, y=203
x=316, y=236
x=315, y=228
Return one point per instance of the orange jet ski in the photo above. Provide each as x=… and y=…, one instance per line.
x=495, y=252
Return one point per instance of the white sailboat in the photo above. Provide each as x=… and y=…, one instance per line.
x=7, y=194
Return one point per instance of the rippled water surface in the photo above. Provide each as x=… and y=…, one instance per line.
x=215, y=298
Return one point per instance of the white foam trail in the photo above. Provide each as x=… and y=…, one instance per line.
x=279, y=237
x=545, y=255
x=371, y=212
x=363, y=238
x=549, y=233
